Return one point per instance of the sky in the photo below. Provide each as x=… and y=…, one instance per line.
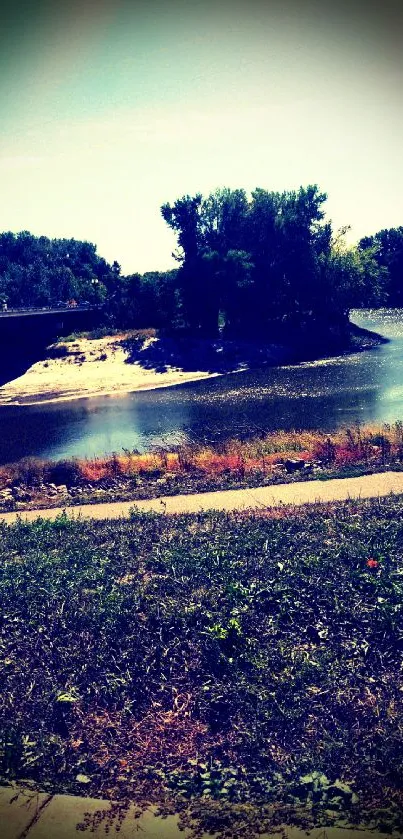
x=110, y=108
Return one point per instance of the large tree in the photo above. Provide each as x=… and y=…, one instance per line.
x=249, y=262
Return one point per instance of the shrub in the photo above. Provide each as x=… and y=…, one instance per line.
x=66, y=472
x=325, y=451
x=58, y=351
x=28, y=471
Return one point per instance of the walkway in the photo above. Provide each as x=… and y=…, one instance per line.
x=303, y=492
x=31, y=815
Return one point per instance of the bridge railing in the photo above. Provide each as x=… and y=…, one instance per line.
x=66, y=307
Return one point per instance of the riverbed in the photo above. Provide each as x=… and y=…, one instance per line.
x=365, y=386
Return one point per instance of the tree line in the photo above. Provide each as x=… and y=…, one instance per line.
x=246, y=265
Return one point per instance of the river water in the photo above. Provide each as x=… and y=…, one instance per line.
x=364, y=387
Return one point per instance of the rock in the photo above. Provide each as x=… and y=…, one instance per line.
x=83, y=779
x=294, y=465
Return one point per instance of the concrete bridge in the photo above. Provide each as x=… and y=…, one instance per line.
x=43, y=311
x=49, y=322
x=25, y=333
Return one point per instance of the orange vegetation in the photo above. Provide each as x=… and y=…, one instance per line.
x=369, y=445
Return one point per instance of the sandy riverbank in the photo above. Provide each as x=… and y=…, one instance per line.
x=120, y=364
x=91, y=368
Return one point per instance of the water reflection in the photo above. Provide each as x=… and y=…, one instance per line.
x=325, y=394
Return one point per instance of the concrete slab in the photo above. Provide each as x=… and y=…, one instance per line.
x=18, y=810
x=31, y=815
x=61, y=816
x=65, y=812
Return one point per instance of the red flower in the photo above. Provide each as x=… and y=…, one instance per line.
x=372, y=563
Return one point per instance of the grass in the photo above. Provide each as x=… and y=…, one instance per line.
x=108, y=332
x=244, y=670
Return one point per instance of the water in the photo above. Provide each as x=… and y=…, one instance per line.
x=366, y=386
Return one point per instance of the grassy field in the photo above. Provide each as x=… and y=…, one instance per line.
x=244, y=670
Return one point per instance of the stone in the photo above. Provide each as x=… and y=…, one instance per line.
x=294, y=465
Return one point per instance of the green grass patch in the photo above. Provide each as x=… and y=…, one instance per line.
x=233, y=667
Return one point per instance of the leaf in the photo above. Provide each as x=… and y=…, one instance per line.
x=68, y=697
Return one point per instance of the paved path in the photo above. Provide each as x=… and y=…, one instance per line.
x=304, y=492
x=30, y=815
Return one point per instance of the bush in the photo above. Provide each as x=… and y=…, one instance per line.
x=28, y=471
x=58, y=351
x=63, y=472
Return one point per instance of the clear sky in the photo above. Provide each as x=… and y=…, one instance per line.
x=110, y=108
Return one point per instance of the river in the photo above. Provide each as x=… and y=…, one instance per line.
x=364, y=387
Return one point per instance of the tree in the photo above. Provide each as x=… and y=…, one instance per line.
x=351, y=277
x=389, y=255
x=250, y=261
x=37, y=271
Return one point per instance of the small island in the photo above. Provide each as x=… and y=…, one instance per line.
x=261, y=279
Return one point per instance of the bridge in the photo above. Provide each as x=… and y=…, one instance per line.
x=28, y=328
x=48, y=310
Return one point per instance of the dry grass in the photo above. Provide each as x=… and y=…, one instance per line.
x=369, y=446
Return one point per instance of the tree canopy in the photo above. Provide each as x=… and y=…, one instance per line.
x=268, y=259
x=387, y=247
x=247, y=264
x=37, y=271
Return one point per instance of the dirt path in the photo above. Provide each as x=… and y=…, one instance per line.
x=304, y=492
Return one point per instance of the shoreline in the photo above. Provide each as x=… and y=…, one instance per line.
x=248, y=499
x=72, y=397
x=115, y=365
x=87, y=369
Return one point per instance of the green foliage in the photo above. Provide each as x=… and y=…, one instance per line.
x=147, y=300
x=37, y=271
x=386, y=248
x=266, y=264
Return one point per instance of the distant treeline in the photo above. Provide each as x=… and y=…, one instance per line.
x=245, y=265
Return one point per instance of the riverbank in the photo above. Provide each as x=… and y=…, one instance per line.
x=264, y=460
x=90, y=367
x=115, y=365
